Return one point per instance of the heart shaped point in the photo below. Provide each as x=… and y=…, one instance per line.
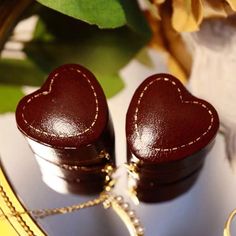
x=165, y=123
x=68, y=111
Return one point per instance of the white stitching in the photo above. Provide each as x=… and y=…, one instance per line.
x=181, y=97
x=44, y=93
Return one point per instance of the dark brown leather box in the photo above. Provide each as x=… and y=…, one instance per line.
x=67, y=125
x=168, y=131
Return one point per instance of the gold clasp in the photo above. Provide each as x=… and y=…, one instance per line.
x=132, y=169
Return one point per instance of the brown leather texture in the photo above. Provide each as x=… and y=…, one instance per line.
x=169, y=132
x=71, y=172
x=75, y=186
x=67, y=117
x=168, y=172
x=67, y=125
x=152, y=192
x=165, y=123
x=85, y=155
x=68, y=111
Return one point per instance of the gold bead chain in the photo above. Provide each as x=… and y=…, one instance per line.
x=108, y=199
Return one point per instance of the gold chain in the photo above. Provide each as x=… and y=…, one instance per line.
x=109, y=184
x=106, y=198
x=64, y=210
x=42, y=213
x=39, y=214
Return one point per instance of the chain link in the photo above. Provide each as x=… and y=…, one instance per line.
x=106, y=198
x=42, y=213
x=64, y=210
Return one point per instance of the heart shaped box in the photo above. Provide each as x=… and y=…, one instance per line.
x=168, y=132
x=67, y=125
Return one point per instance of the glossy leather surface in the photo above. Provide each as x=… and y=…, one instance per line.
x=168, y=172
x=165, y=192
x=67, y=186
x=67, y=119
x=68, y=111
x=82, y=172
x=169, y=133
x=165, y=123
x=67, y=125
x=84, y=155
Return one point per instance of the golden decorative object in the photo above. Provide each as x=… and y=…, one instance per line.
x=228, y=223
x=108, y=199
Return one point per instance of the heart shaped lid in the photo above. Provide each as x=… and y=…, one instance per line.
x=166, y=123
x=68, y=111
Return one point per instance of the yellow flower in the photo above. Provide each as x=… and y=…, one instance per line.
x=187, y=15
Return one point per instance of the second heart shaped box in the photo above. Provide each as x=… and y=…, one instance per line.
x=168, y=132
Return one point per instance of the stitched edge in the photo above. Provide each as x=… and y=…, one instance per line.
x=44, y=93
x=181, y=98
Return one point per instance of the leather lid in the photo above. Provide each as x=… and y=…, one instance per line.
x=165, y=123
x=67, y=112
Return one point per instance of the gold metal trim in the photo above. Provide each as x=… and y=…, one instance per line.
x=15, y=213
x=228, y=223
x=14, y=223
